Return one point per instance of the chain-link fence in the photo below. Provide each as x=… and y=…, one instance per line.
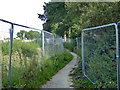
x=22, y=52
x=100, y=55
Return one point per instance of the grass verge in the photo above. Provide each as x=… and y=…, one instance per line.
x=28, y=68
x=50, y=68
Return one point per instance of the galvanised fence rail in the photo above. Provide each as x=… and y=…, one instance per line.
x=24, y=48
x=100, y=55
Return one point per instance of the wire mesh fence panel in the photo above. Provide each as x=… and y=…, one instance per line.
x=99, y=55
x=62, y=47
x=48, y=44
x=70, y=43
x=26, y=56
x=22, y=49
x=78, y=45
x=58, y=44
x=69, y=40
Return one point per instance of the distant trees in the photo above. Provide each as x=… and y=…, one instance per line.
x=20, y=34
x=29, y=35
x=33, y=35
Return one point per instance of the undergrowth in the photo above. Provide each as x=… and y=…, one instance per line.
x=52, y=67
x=101, y=70
x=28, y=68
x=79, y=80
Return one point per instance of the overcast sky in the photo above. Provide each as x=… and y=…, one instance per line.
x=21, y=12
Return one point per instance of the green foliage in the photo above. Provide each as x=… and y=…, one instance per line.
x=62, y=16
x=20, y=34
x=101, y=50
x=81, y=15
x=5, y=48
x=91, y=14
x=70, y=45
x=29, y=35
x=99, y=59
x=50, y=67
x=54, y=15
x=28, y=68
x=33, y=35
x=79, y=80
x=38, y=42
x=28, y=49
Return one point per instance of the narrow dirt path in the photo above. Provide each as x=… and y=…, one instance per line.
x=62, y=79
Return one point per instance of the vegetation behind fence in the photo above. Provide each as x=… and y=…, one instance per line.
x=29, y=56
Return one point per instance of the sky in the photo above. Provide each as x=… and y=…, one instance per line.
x=22, y=12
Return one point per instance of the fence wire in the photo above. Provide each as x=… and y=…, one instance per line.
x=22, y=52
x=78, y=43
x=58, y=44
x=99, y=53
x=49, y=44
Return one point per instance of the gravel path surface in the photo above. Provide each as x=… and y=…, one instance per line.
x=62, y=79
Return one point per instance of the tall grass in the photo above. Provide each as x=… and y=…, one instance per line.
x=22, y=62
x=28, y=68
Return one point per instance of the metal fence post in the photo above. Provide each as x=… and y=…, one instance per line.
x=11, y=40
x=53, y=45
x=61, y=44
x=43, y=44
x=83, y=67
x=117, y=55
x=77, y=42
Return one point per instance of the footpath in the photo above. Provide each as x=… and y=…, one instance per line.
x=62, y=79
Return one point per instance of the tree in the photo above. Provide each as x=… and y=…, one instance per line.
x=54, y=14
x=29, y=35
x=33, y=35
x=72, y=17
x=20, y=34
